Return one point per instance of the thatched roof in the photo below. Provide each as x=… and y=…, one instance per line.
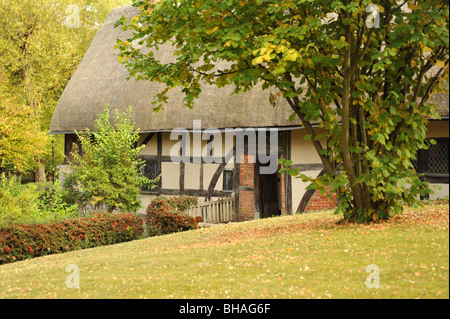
x=442, y=101
x=101, y=80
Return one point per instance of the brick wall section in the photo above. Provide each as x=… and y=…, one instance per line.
x=321, y=202
x=246, y=205
x=246, y=209
x=247, y=173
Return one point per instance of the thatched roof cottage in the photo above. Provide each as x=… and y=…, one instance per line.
x=101, y=80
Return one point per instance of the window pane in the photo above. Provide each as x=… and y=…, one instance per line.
x=227, y=180
x=438, y=158
x=148, y=170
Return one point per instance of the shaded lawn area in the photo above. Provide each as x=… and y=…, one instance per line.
x=301, y=256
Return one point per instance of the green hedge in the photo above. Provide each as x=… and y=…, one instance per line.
x=164, y=216
x=21, y=241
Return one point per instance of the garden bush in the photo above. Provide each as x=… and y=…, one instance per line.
x=182, y=202
x=108, y=174
x=32, y=202
x=166, y=216
x=52, y=203
x=23, y=241
x=17, y=202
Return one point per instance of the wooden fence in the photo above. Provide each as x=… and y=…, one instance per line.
x=213, y=212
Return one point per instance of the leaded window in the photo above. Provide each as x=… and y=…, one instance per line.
x=438, y=157
x=434, y=160
x=228, y=180
x=148, y=170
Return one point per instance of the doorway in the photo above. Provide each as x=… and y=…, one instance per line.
x=269, y=195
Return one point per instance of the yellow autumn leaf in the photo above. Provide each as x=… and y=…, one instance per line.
x=267, y=57
x=294, y=56
x=258, y=60
x=134, y=20
x=440, y=63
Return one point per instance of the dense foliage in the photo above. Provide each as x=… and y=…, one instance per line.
x=32, y=202
x=21, y=139
x=22, y=241
x=364, y=70
x=41, y=44
x=107, y=175
x=165, y=215
x=17, y=202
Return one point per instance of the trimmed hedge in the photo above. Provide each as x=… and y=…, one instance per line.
x=20, y=241
x=164, y=216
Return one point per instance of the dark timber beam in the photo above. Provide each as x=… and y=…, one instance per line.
x=189, y=192
x=159, y=156
x=219, y=171
x=307, y=196
x=147, y=139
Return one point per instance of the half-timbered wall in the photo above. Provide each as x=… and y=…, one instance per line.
x=195, y=178
x=305, y=158
x=286, y=195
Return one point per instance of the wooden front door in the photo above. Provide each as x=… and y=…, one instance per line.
x=269, y=195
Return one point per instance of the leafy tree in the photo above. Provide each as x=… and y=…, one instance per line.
x=21, y=139
x=17, y=202
x=41, y=44
x=108, y=172
x=365, y=77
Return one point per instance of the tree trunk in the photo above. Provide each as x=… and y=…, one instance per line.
x=345, y=138
x=39, y=172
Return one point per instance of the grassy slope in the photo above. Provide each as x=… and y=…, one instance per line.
x=303, y=256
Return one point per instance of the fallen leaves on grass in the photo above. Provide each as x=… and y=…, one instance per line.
x=436, y=216
x=307, y=256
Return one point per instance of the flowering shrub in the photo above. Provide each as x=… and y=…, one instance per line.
x=21, y=241
x=182, y=202
x=164, y=215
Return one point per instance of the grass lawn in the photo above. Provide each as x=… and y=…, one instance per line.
x=301, y=256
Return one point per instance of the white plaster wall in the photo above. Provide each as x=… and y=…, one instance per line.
x=150, y=148
x=192, y=176
x=302, y=152
x=170, y=174
x=440, y=191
